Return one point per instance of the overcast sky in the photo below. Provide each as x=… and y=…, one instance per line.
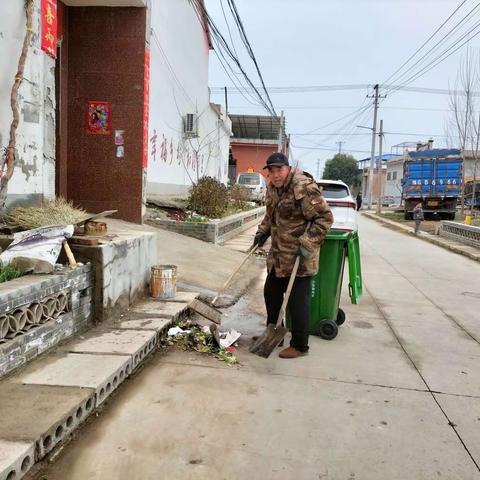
x=333, y=42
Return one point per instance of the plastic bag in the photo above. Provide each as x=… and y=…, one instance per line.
x=36, y=250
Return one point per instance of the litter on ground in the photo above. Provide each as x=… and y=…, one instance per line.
x=190, y=336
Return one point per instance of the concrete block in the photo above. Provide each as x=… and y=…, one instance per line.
x=136, y=343
x=103, y=374
x=155, y=324
x=161, y=309
x=16, y=459
x=41, y=414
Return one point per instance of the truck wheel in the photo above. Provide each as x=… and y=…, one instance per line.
x=328, y=329
x=407, y=215
x=451, y=216
x=340, y=317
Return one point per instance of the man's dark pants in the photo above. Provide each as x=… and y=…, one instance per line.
x=298, y=306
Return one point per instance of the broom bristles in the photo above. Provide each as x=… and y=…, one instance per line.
x=50, y=212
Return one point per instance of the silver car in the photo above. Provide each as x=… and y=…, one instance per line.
x=255, y=182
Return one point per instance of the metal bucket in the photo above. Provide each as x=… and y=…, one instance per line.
x=163, y=281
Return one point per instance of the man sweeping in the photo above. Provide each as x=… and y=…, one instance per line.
x=297, y=218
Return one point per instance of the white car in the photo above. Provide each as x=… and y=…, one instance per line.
x=343, y=205
x=256, y=184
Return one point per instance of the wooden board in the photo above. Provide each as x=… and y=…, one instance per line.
x=90, y=241
x=207, y=311
x=106, y=213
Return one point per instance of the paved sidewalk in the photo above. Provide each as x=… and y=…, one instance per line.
x=395, y=396
x=42, y=404
x=466, y=250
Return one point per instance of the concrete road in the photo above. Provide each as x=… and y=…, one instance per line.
x=395, y=396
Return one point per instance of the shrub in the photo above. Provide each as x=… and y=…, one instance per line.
x=209, y=197
x=239, y=195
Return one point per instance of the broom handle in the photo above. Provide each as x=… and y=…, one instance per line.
x=71, y=258
x=225, y=285
x=281, y=315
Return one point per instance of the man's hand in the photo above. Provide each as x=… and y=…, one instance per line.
x=260, y=239
x=303, y=252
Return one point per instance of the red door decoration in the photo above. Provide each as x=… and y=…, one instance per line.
x=98, y=118
x=49, y=27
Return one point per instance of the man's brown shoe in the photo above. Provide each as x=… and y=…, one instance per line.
x=291, y=352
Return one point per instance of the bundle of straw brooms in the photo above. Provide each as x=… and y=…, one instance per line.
x=53, y=212
x=57, y=211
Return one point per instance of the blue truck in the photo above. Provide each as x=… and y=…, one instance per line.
x=433, y=177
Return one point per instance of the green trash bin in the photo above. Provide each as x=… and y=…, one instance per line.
x=326, y=286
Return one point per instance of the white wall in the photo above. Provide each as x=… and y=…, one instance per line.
x=34, y=174
x=394, y=180
x=179, y=85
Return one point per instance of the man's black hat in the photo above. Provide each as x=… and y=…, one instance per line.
x=276, y=160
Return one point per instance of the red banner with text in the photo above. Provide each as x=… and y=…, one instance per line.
x=49, y=27
x=146, y=100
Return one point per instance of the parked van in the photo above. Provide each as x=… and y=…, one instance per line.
x=255, y=182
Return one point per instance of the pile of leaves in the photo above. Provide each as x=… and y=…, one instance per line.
x=209, y=197
x=8, y=273
x=49, y=212
x=198, y=340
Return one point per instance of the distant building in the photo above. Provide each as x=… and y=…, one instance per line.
x=393, y=184
x=254, y=139
x=364, y=166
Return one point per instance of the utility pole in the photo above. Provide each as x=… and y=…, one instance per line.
x=380, y=169
x=226, y=100
x=318, y=170
x=374, y=139
x=340, y=143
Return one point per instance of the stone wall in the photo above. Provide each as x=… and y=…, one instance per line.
x=122, y=267
x=467, y=234
x=39, y=311
x=215, y=231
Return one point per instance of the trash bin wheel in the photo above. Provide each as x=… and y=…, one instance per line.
x=340, y=317
x=328, y=329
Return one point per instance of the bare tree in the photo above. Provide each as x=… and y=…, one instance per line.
x=7, y=162
x=465, y=114
x=202, y=146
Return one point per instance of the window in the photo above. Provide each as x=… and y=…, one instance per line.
x=249, y=179
x=394, y=176
x=334, y=190
x=389, y=175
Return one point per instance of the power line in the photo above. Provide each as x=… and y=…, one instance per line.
x=303, y=147
x=228, y=27
x=429, y=67
x=329, y=88
x=425, y=43
x=345, y=107
x=223, y=47
x=368, y=134
x=439, y=43
x=243, y=34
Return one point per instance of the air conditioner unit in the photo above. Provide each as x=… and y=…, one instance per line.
x=190, y=125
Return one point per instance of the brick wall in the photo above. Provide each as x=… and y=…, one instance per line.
x=106, y=50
